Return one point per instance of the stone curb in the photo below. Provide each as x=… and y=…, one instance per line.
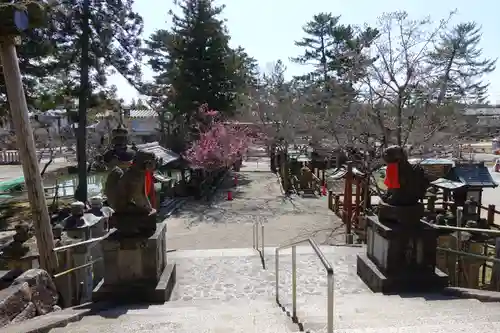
x=44, y=324
x=480, y=295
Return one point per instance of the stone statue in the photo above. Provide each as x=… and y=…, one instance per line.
x=308, y=180
x=406, y=183
x=18, y=247
x=125, y=192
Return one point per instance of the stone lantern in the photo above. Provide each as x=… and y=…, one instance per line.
x=79, y=226
x=119, y=154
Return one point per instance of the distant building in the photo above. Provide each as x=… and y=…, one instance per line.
x=484, y=119
x=141, y=124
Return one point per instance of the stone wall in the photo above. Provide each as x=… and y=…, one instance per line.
x=31, y=294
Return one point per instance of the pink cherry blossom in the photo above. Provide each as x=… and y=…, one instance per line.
x=219, y=145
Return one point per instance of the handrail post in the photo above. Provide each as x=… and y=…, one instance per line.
x=330, y=291
x=330, y=279
x=256, y=237
x=458, y=260
x=294, y=284
x=253, y=235
x=277, y=268
x=263, y=258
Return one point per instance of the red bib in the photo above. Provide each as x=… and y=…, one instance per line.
x=392, y=176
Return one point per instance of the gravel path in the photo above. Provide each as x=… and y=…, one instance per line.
x=257, y=197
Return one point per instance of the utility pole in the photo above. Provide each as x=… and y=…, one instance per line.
x=27, y=153
x=81, y=144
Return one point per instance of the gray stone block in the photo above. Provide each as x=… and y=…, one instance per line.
x=13, y=300
x=136, y=268
x=43, y=290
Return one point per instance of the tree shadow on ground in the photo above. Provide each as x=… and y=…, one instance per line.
x=116, y=311
x=197, y=211
x=13, y=213
x=235, y=179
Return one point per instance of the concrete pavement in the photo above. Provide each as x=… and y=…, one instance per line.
x=8, y=172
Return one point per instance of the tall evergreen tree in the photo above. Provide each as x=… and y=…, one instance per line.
x=245, y=68
x=50, y=57
x=194, y=59
x=336, y=51
x=36, y=64
x=115, y=40
x=317, y=45
x=461, y=66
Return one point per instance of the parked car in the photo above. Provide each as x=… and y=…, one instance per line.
x=497, y=165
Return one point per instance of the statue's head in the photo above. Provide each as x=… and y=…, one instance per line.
x=145, y=160
x=394, y=154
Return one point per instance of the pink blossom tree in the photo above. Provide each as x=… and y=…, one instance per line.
x=220, y=144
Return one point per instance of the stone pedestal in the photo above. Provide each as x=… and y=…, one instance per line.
x=401, y=257
x=136, y=269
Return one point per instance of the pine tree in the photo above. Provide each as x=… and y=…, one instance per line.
x=115, y=41
x=458, y=59
x=49, y=57
x=317, y=45
x=336, y=51
x=35, y=63
x=245, y=68
x=194, y=60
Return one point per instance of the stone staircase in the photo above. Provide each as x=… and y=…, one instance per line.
x=221, y=291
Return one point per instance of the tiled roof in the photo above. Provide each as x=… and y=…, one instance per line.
x=166, y=155
x=472, y=174
x=143, y=114
x=492, y=111
x=131, y=114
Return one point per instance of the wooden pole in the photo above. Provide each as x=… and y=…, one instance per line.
x=27, y=152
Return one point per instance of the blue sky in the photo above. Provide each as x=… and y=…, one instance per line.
x=267, y=29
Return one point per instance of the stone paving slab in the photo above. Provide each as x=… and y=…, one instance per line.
x=221, y=278
x=227, y=290
x=257, y=198
x=257, y=316
x=236, y=277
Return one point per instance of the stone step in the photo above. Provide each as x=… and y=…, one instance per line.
x=348, y=306
x=382, y=324
x=249, y=316
x=370, y=299
x=362, y=311
x=464, y=327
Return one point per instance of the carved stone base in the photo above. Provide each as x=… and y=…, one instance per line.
x=400, y=257
x=136, y=269
x=134, y=225
x=138, y=292
x=403, y=283
x=401, y=214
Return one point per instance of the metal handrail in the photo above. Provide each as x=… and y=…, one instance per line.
x=71, y=270
x=472, y=230
x=86, y=242
x=329, y=276
x=467, y=254
x=256, y=241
